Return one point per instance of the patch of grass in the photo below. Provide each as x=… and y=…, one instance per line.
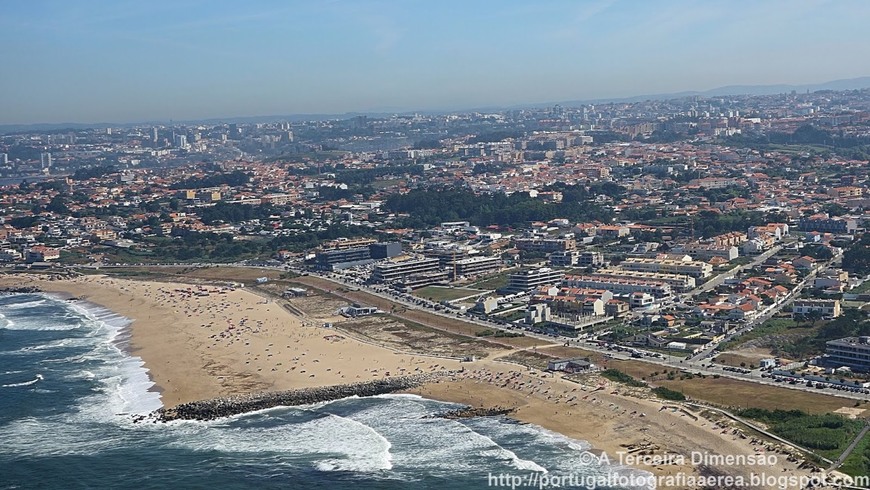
x=668, y=394
x=737, y=360
x=440, y=293
x=858, y=462
x=620, y=377
x=496, y=281
x=828, y=434
x=774, y=326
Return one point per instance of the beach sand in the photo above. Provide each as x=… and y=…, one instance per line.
x=230, y=341
x=204, y=341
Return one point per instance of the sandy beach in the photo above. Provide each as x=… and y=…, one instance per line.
x=203, y=341
x=200, y=342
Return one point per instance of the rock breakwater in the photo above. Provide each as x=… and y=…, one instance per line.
x=471, y=412
x=233, y=405
x=20, y=289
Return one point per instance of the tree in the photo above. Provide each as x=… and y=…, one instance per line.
x=57, y=205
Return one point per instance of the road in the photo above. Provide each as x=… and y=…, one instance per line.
x=768, y=312
x=673, y=362
x=721, y=278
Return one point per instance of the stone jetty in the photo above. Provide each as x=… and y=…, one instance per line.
x=21, y=289
x=470, y=412
x=233, y=405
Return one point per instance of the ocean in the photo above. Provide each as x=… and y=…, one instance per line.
x=68, y=389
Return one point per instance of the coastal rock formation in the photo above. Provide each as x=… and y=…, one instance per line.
x=470, y=412
x=21, y=289
x=234, y=405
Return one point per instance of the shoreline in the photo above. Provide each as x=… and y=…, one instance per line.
x=189, y=359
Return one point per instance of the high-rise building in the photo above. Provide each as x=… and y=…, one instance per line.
x=45, y=159
x=235, y=133
x=4, y=159
x=154, y=136
x=180, y=141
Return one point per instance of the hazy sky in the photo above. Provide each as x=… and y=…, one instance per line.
x=127, y=61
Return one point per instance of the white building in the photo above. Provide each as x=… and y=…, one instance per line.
x=537, y=313
x=692, y=268
x=826, y=308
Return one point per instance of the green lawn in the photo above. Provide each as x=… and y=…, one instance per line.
x=496, y=281
x=441, y=293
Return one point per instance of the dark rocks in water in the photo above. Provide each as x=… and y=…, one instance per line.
x=234, y=405
x=470, y=412
x=21, y=289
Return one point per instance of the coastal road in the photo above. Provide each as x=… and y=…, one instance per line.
x=698, y=367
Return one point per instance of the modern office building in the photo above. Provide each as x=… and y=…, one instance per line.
x=545, y=245
x=415, y=281
x=529, y=279
x=853, y=352
x=396, y=271
x=385, y=250
x=342, y=243
x=345, y=257
x=473, y=266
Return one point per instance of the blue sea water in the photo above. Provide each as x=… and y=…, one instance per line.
x=68, y=389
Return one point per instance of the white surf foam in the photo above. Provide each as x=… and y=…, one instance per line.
x=125, y=376
x=26, y=304
x=331, y=442
x=26, y=383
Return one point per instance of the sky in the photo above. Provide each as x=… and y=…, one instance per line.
x=157, y=60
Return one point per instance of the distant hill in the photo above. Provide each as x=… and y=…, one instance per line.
x=845, y=84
